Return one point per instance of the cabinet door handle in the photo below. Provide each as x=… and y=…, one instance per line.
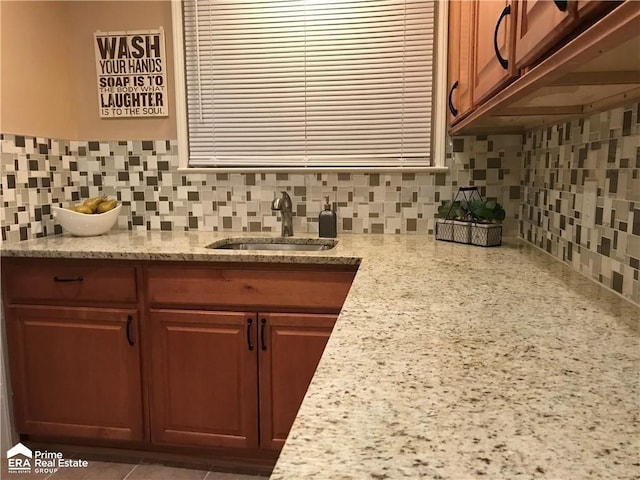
x=503, y=61
x=249, y=323
x=561, y=4
x=129, y=321
x=452, y=109
x=263, y=323
x=79, y=278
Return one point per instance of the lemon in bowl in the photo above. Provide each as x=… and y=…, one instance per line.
x=86, y=224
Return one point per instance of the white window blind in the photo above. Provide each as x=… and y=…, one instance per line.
x=309, y=82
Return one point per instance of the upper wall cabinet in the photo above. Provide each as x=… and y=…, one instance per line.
x=585, y=8
x=493, y=40
x=461, y=25
x=566, y=59
x=541, y=24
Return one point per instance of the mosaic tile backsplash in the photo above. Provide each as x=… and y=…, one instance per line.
x=40, y=172
x=581, y=198
x=539, y=178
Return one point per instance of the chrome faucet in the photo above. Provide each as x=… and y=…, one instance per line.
x=285, y=206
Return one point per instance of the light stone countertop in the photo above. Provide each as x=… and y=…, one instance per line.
x=448, y=361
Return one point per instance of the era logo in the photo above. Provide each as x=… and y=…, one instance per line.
x=19, y=459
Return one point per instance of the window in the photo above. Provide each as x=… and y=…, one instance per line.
x=308, y=83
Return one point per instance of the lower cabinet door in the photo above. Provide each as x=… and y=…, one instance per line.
x=291, y=346
x=204, y=383
x=75, y=372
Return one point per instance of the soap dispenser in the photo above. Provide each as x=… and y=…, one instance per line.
x=328, y=221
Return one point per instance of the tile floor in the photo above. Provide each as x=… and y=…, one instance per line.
x=99, y=470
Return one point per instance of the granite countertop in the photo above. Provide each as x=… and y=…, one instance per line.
x=448, y=361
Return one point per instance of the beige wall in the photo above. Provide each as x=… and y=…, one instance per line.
x=48, y=73
x=36, y=96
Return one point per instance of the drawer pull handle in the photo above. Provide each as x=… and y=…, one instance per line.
x=79, y=278
x=561, y=4
x=263, y=323
x=452, y=109
x=129, y=320
x=249, y=323
x=503, y=61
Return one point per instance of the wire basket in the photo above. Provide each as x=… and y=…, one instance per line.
x=483, y=234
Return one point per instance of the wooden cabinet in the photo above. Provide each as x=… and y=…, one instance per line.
x=586, y=8
x=75, y=372
x=236, y=377
x=542, y=62
x=541, y=25
x=204, y=378
x=231, y=379
x=215, y=356
x=493, y=64
x=291, y=346
x=460, y=73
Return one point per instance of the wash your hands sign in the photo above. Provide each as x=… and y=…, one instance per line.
x=131, y=73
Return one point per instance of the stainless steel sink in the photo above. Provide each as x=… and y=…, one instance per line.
x=276, y=244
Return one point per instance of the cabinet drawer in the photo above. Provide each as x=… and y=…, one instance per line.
x=68, y=281
x=249, y=288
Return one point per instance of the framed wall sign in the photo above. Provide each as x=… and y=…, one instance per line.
x=131, y=73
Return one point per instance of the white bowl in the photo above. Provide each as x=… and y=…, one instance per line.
x=86, y=225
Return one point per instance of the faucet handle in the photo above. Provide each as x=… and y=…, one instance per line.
x=286, y=200
x=282, y=203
